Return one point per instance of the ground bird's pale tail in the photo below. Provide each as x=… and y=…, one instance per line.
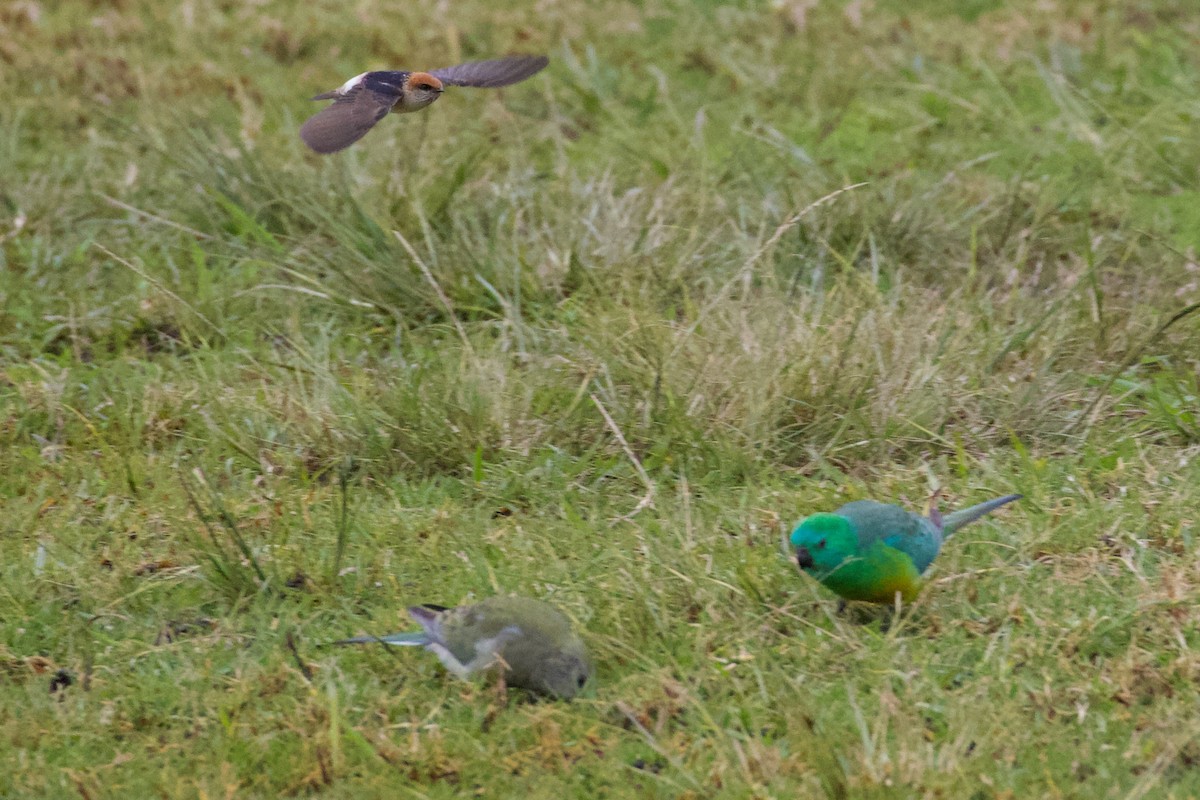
x=954, y=521
x=412, y=639
x=427, y=615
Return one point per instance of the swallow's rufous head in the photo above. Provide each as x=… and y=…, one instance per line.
x=420, y=90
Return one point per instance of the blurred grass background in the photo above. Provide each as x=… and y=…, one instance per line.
x=400, y=374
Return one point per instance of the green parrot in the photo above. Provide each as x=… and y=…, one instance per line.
x=532, y=640
x=873, y=551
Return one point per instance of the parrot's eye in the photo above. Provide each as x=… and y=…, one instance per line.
x=821, y=545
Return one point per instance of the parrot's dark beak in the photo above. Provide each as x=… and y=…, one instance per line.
x=804, y=558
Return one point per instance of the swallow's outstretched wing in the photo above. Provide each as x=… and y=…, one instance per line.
x=493, y=73
x=353, y=112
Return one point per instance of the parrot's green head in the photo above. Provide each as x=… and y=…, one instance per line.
x=823, y=542
x=562, y=675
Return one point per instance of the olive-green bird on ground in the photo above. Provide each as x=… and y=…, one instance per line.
x=531, y=640
x=874, y=551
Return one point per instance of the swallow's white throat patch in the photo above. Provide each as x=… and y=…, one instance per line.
x=350, y=84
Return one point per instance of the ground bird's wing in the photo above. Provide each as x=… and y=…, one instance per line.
x=894, y=527
x=522, y=622
x=490, y=74
x=536, y=642
x=347, y=119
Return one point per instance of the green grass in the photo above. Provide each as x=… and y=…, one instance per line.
x=398, y=375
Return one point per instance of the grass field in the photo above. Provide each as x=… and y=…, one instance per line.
x=599, y=338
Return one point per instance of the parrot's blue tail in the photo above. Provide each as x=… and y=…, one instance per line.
x=952, y=522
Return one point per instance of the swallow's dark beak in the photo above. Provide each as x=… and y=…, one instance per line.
x=804, y=558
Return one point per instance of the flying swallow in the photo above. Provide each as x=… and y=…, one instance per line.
x=365, y=99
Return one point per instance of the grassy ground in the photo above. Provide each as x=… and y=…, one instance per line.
x=588, y=339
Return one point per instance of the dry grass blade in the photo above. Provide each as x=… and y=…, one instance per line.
x=228, y=567
x=1087, y=418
